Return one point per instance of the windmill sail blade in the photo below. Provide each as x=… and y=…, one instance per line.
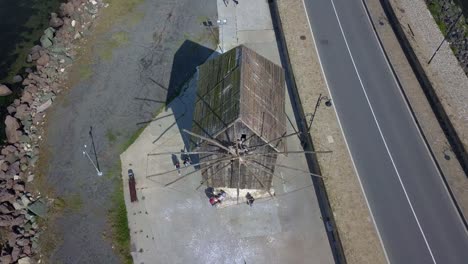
x=288, y=152
x=292, y=168
x=188, y=153
x=261, y=183
x=276, y=139
x=196, y=164
x=252, y=162
x=209, y=140
x=209, y=176
x=185, y=176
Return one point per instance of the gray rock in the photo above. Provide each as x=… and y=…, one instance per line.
x=66, y=9
x=6, y=196
x=11, y=109
x=4, y=90
x=44, y=106
x=22, y=111
x=11, y=129
x=30, y=178
x=49, y=33
x=15, y=254
x=17, y=79
x=5, y=259
x=25, y=260
x=5, y=208
x=18, y=206
x=46, y=42
x=27, y=98
x=4, y=165
x=55, y=21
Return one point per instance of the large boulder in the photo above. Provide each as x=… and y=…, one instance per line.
x=11, y=129
x=22, y=111
x=46, y=42
x=43, y=60
x=17, y=79
x=66, y=9
x=4, y=90
x=27, y=98
x=55, y=21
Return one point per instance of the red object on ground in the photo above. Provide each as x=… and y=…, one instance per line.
x=213, y=200
x=131, y=186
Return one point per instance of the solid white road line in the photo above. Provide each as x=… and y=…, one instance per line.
x=413, y=118
x=381, y=134
x=344, y=136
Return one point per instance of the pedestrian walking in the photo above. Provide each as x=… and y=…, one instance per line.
x=250, y=199
x=235, y=2
x=177, y=166
x=221, y=196
x=226, y=2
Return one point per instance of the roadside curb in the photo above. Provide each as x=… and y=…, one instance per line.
x=428, y=90
x=312, y=162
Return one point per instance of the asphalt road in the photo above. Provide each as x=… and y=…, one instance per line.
x=415, y=217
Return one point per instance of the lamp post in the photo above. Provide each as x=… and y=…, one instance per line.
x=221, y=23
x=445, y=37
x=85, y=153
x=96, y=166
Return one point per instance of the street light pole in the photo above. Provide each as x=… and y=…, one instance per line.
x=445, y=37
x=94, y=149
x=99, y=172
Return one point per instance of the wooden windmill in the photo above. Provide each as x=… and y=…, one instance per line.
x=239, y=123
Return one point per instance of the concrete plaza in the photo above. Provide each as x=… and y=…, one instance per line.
x=176, y=224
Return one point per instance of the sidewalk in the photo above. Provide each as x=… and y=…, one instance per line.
x=176, y=224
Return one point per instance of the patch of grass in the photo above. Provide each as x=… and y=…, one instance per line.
x=436, y=10
x=73, y=202
x=116, y=40
x=111, y=137
x=85, y=71
x=132, y=139
x=119, y=221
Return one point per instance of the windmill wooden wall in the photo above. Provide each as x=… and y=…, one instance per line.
x=240, y=92
x=226, y=173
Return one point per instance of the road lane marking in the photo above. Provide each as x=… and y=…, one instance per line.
x=344, y=137
x=381, y=134
x=413, y=118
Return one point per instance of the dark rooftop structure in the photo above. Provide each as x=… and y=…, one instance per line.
x=240, y=98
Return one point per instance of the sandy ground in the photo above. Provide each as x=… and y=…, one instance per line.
x=430, y=127
x=356, y=229
x=131, y=68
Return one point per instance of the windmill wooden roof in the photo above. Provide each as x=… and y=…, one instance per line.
x=241, y=86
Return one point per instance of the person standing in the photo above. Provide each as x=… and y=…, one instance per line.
x=250, y=199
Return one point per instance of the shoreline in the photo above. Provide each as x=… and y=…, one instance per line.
x=24, y=208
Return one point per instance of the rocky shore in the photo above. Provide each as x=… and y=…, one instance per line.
x=20, y=204
x=446, y=13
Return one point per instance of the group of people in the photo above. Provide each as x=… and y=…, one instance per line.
x=185, y=159
x=218, y=198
